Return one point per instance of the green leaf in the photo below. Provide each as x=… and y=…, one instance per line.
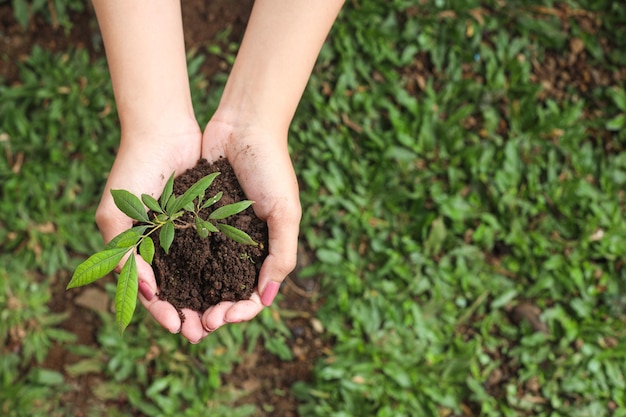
x=151, y=203
x=177, y=215
x=166, y=236
x=84, y=367
x=279, y=347
x=236, y=234
x=328, y=256
x=130, y=205
x=194, y=191
x=124, y=239
x=146, y=249
x=436, y=237
x=128, y=240
x=189, y=207
x=126, y=294
x=96, y=266
x=205, y=227
x=230, y=209
x=212, y=200
x=169, y=207
x=617, y=123
x=21, y=12
x=47, y=377
x=167, y=190
x=619, y=97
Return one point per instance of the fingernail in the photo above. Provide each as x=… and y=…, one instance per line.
x=206, y=327
x=270, y=293
x=145, y=291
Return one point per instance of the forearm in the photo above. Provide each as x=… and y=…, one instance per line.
x=146, y=55
x=280, y=47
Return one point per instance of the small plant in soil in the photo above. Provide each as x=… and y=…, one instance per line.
x=168, y=214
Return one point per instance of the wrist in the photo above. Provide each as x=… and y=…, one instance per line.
x=241, y=118
x=274, y=62
x=174, y=127
x=244, y=106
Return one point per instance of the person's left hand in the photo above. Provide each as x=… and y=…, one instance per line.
x=263, y=167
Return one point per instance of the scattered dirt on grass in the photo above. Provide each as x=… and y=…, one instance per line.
x=205, y=23
x=17, y=42
x=268, y=381
x=569, y=74
x=81, y=308
x=198, y=273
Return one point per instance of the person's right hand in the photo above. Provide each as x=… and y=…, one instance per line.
x=143, y=164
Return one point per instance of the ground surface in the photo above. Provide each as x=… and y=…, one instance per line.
x=485, y=277
x=262, y=374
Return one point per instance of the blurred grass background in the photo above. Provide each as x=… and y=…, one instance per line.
x=462, y=169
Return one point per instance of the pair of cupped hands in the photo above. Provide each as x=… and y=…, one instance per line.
x=260, y=159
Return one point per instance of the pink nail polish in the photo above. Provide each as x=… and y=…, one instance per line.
x=270, y=293
x=145, y=291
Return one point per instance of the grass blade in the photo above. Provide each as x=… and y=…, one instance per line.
x=130, y=205
x=96, y=266
x=126, y=294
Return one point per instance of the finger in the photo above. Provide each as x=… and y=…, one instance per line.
x=192, y=328
x=214, y=317
x=244, y=310
x=163, y=312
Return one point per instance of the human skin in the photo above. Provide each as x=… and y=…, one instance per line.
x=145, y=51
x=159, y=133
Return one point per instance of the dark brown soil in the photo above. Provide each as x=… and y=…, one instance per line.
x=200, y=272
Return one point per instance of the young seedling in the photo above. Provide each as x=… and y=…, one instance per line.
x=168, y=216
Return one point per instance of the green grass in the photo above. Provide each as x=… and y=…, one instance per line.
x=446, y=213
x=434, y=215
x=57, y=13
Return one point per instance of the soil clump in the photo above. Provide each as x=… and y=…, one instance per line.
x=200, y=272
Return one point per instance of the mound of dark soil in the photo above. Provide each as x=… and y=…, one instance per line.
x=200, y=272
